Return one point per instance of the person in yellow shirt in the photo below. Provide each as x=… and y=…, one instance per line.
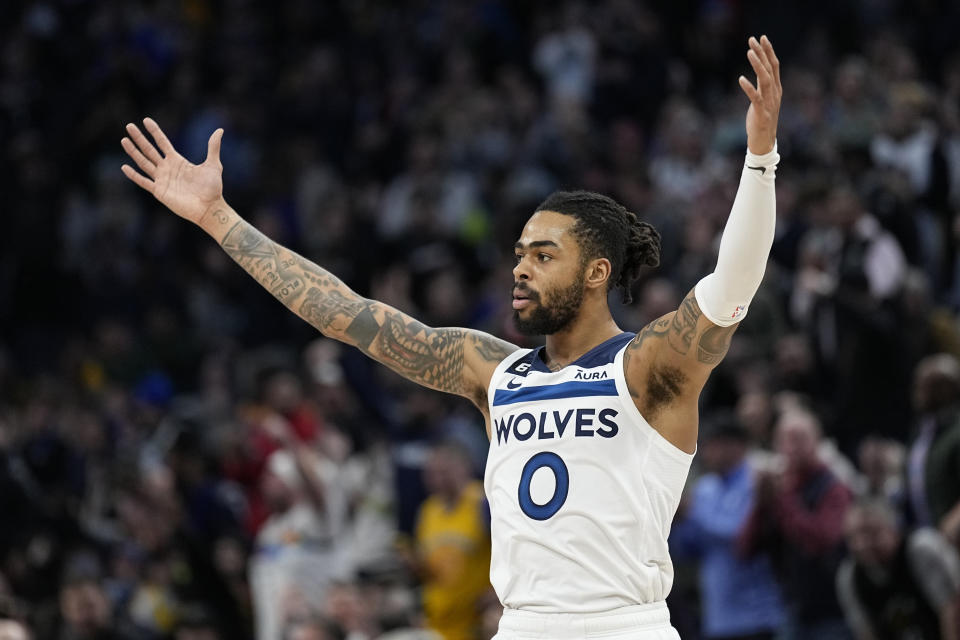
x=453, y=545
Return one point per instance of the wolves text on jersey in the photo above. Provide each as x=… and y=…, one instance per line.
x=586, y=422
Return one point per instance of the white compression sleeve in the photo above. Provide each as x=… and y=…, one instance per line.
x=723, y=296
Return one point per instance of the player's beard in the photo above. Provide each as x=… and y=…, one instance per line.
x=546, y=319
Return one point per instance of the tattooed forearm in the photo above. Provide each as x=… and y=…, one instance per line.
x=432, y=357
x=263, y=259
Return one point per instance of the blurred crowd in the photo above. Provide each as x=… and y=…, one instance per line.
x=182, y=458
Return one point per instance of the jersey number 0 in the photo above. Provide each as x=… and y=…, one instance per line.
x=560, y=474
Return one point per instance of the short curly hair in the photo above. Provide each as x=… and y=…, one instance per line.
x=606, y=229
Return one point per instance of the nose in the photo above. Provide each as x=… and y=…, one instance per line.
x=520, y=272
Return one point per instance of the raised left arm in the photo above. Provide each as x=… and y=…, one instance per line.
x=669, y=361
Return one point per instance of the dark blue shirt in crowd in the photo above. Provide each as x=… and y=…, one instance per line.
x=739, y=595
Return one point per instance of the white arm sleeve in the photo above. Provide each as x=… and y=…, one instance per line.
x=724, y=295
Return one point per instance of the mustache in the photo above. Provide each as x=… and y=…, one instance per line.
x=524, y=289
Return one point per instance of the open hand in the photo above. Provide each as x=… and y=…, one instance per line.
x=764, y=97
x=189, y=190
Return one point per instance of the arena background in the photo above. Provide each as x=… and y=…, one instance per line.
x=146, y=381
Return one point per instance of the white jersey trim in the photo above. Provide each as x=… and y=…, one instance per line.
x=630, y=406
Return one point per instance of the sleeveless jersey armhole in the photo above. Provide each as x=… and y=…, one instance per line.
x=677, y=471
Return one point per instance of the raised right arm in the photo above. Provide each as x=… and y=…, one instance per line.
x=454, y=360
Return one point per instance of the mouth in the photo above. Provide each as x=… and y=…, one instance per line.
x=522, y=299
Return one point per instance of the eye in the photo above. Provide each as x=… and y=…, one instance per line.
x=544, y=257
x=517, y=257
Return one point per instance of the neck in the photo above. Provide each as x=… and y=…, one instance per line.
x=592, y=326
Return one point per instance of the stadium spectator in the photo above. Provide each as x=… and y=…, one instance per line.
x=798, y=519
x=896, y=584
x=881, y=465
x=740, y=597
x=934, y=458
x=85, y=613
x=296, y=557
x=453, y=545
x=845, y=292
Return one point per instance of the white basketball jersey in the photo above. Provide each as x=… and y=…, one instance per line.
x=582, y=489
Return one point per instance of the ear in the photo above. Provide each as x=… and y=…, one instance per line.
x=598, y=272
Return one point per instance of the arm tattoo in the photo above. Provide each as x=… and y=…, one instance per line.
x=432, y=357
x=330, y=310
x=665, y=381
x=364, y=328
x=263, y=260
x=714, y=344
x=491, y=349
x=684, y=325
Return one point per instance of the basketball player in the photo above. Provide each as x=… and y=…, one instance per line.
x=591, y=436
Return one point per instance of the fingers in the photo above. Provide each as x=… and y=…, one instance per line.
x=757, y=48
x=140, y=180
x=771, y=57
x=145, y=146
x=764, y=79
x=762, y=66
x=213, y=146
x=159, y=136
x=749, y=89
x=145, y=165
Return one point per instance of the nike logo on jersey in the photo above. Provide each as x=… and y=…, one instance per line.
x=511, y=385
x=762, y=170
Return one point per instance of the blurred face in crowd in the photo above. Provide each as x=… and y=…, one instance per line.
x=13, y=630
x=197, y=633
x=796, y=439
x=723, y=453
x=446, y=472
x=549, y=276
x=872, y=535
x=276, y=493
x=843, y=206
x=84, y=606
x=936, y=383
x=755, y=413
x=307, y=631
x=878, y=461
x=283, y=392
